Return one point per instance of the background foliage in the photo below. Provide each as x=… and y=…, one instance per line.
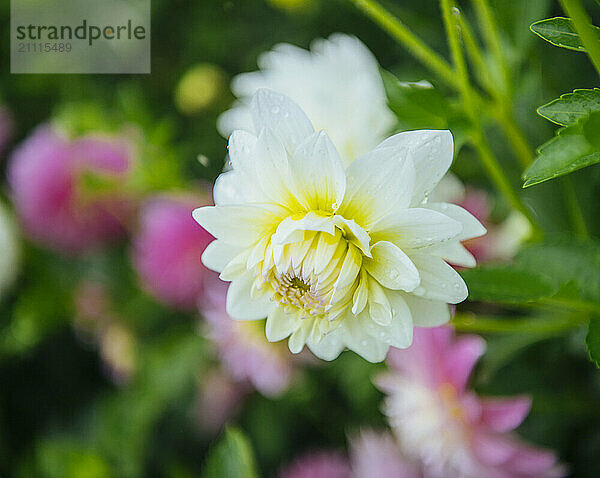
x=62, y=416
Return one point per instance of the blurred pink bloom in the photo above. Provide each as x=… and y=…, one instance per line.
x=6, y=128
x=243, y=348
x=320, y=464
x=167, y=251
x=376, y=455
x=450, y=430
x=64, y=190
x=219, y=398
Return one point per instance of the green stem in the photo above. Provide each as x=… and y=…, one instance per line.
x=502, y=111
x=573, y=206
x=411, y=42
x=520, y=145
x=483, y=324
x=582, y=24
x=492, y=39
x=476, y=58
x=488, y=160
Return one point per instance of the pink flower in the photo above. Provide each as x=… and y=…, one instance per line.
x=167, y=251
x=447, y=428
x=320, y=464
x=243, y=348
x=65, y=191
x=376, y=455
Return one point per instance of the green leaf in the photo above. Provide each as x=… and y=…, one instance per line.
x=420, y=106
x=572, y=266
x=591, y=129
x=592, y=340
x=560, y=273
x=231, y=457
x=560, y=32
x=507, y=284
x=561, y=155
x=571, y=107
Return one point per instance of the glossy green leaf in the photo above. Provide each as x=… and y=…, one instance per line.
x=231, y=457
x=592, y=340
x=507, y=284
x=571, y=107
x=561, y=155
x=560, y=32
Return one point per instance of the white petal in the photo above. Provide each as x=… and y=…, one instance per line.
x=330, y=345
x=218, y=254
x=400, y=331
x=280, y=325
x=427, y=313
x=354, y=233
x=415, y=228
x=453, y=252
x=361, y=294
x=391, y=267
x=318, y=174
x=299, y=337
x=237, y=225
x=230, y=189
x=471, y=227
x=292, y=230
x=280, y=114
x=237, y=118
x=241, y=146
x=360, y=340
x=378, y=183
x=380, y=310
x=431, y=151
x=439, y=281
x=240, y=304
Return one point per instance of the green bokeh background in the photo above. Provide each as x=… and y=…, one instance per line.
x=60, y=416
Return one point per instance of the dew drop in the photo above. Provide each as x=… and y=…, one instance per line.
x=275, y=110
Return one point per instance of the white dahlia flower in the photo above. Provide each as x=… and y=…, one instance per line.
x=334, y=257
x=337, y=84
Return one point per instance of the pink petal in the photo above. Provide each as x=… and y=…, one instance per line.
x=530, y=461
x=503, y=415
x=461, y=359
x=493, y=449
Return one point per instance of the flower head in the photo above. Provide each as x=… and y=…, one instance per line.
x=337, y=84
x=445, y=427
x=167, y=249
x=55, y=180
x=334, y=257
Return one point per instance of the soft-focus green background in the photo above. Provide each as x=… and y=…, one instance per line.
x=60, y=416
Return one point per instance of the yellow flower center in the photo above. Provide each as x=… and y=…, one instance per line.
x=306, y=275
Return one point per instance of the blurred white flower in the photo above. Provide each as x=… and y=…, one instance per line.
x=334, y=258
x=337, y=84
